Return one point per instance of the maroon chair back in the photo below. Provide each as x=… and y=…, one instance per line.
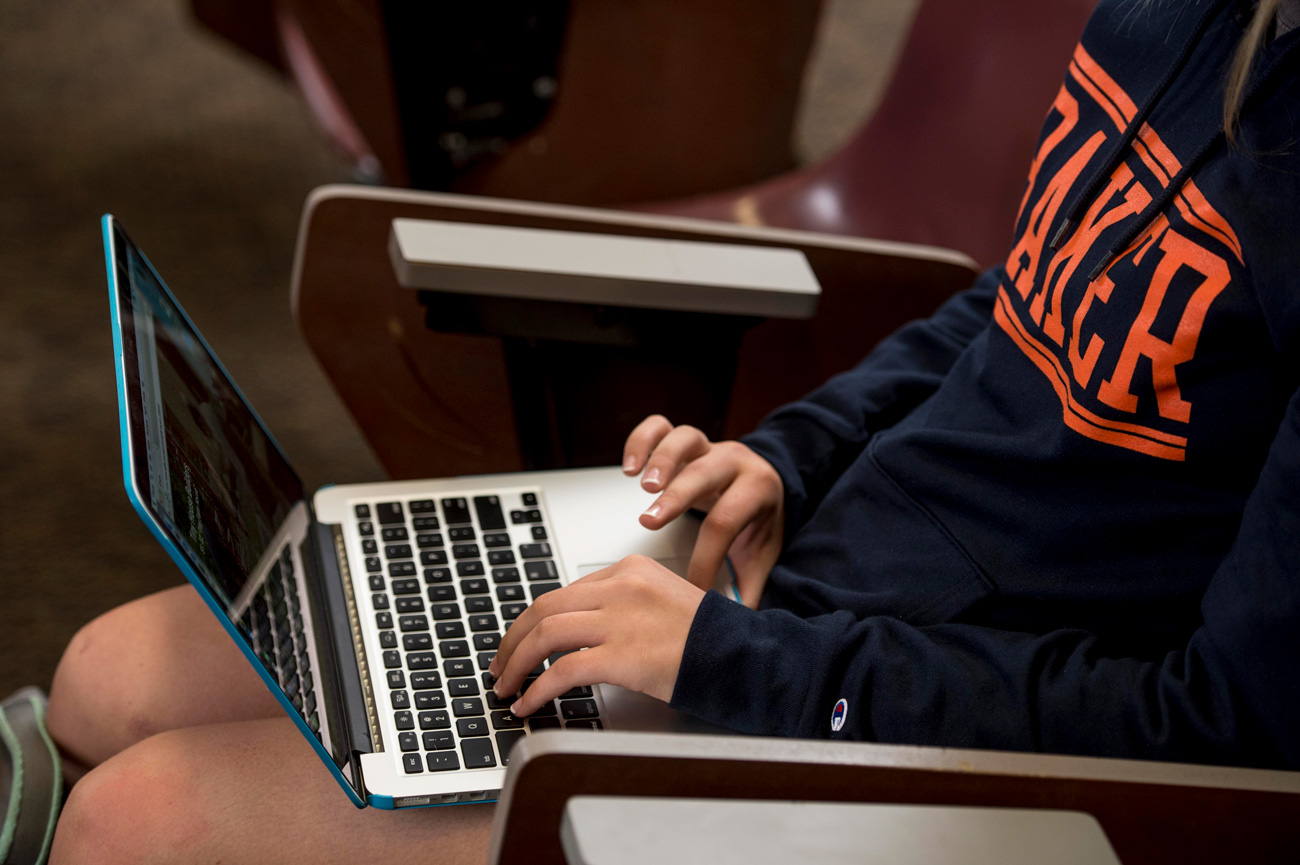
x=943, y=160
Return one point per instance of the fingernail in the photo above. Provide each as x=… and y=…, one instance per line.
x=514, y=709
x=651, y=477
x=629, y=464
x=496, y=689
x=653, y=511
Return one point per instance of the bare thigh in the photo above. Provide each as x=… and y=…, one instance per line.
x=159, y=663
x=247, y=792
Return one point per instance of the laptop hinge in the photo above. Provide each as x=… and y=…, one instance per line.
x=356, y=694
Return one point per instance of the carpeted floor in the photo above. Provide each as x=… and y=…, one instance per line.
x=206, y=157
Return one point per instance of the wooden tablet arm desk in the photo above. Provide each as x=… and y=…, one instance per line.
x=436, y=403
x=1150, y=812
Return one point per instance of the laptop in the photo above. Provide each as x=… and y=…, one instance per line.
x=371, y=611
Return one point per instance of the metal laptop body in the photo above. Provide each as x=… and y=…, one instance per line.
x=230, y=511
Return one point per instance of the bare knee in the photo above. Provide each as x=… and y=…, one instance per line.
x=138, y=807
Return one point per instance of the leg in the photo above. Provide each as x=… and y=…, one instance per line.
x=248, y=792
x=159, y=663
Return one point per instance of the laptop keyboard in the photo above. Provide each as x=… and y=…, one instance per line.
x=446, y=578
x=274, y=626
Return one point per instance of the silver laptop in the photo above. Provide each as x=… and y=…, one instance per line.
x=371, y=611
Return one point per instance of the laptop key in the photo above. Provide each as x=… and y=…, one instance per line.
x=433, y=557
x=425, y=541
x=510, y=593
x=470, y=569
x=412, y=764
x=366, y=528
x=485, y=659
x=573, y=693
x=425, y=700
x=397, y=551
x=400, y=700
x=572, y=709
x=410, y=605
x=539, y=533
x=373, y=565
x=546, y=710
x=439, y=741
x=541, y=570
x=389, y=512
x=465, y=706
x=403, y=720
x=419, y=660
x=442, y=612
x=505, y=575
x=413, y=623
x=401, y=569
x=397, y=679
x=535, y=551
x=406, y=587
x=533, y=515
x=389, y=534
x=384, y=620
x=439, y=720
x=387, y=639
x=423, y=681
x=489, y=513
x=462, y=687
x=496, y=539
x=423, y=524
x=539, y=589
x=377, y=582
x=472, y=727
x=362, y=512
x=501, y=557
x=461, y=533
x=417, y=642
x=530, y=500
x=458, y=667
x=454, y=649
x=421, y=506
x=478, y=604
x=392, y=659
x=437, y=575
x=495, y=702
x=585, y=724
x=474, y=587
x=441, y=594
x=536, y=723
x=455, y=511
x=478, y=754
x=512, y=611
x=369, y=547
x=442, y=761
x=505, y=721
x=483, y=623
x=487, y=642
x=465, y=551
x=408, y=741
x=506, y=740
x=450, y=630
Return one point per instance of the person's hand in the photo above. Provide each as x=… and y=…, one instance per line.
x=741, y=492
x=632, y=618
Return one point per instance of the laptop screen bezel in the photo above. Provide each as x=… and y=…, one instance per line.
x=135, y=465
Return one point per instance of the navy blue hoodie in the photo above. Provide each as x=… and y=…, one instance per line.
x=1063, y=514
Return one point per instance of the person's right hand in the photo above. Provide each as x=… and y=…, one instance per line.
x=741, y=492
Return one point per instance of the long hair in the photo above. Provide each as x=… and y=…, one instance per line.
x=1242, y=64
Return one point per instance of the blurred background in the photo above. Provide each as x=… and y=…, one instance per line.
x=206, y=154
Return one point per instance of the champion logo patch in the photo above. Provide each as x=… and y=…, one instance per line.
x=838, y=714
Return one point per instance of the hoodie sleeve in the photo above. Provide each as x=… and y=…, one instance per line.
x=1229, y=696
x=810, y=442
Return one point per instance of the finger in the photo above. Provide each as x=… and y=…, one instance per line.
x=579, y=595
x=561, y=633
x=701, y=481
x=642, y=440
x=739, y=506
x=574, y=669
x=682, y=444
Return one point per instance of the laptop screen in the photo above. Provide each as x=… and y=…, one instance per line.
x=203, y=463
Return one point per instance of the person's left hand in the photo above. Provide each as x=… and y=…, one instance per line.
x=632, y=617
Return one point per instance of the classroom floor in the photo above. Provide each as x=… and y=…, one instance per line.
x=206, y=157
